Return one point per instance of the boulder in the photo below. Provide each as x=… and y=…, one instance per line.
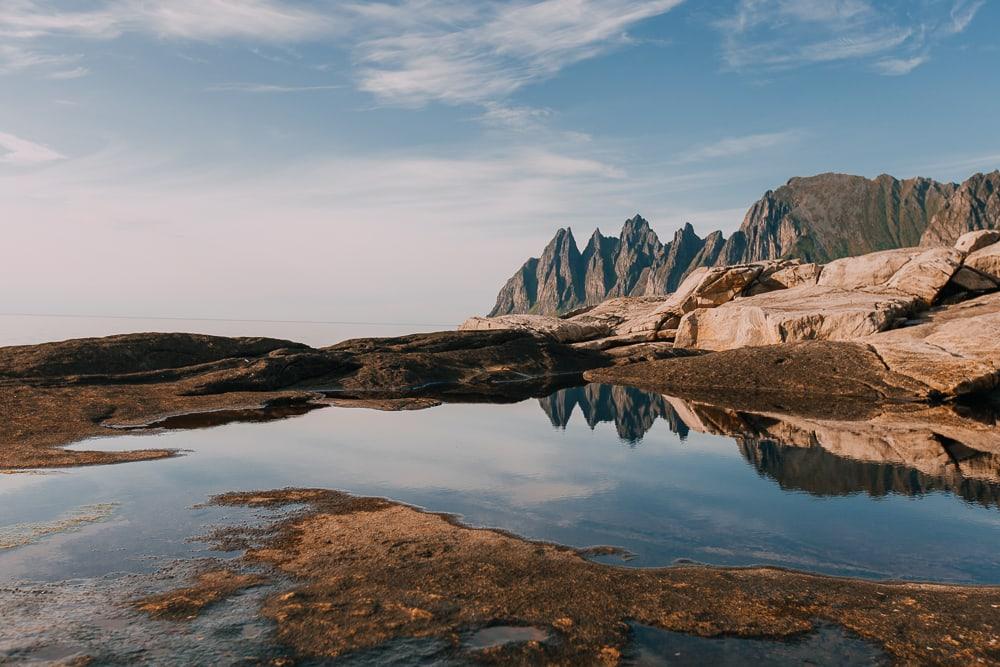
x=973, y=241
x=956, y=351
x=791, y=315
x=986, y=260
x=926, y=274
x=871, y=270
x=563, y=331
x=795, y=274
x=709, y=288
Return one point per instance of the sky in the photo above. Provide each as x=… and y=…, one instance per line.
x=397, y=161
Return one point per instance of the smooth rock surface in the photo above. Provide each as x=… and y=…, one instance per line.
x=956, y=351
x=973, y=241
x=792, y=315
x=926, y=274
x=871, y=270
x=986, y=261
x=563, y=331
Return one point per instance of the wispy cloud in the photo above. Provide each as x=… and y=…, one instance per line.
x=268, y=20
x=899, y=66
x=407, y=53
x=64, y=74
x=963, y=12
x=733, y=146
x=895, y=38
x=17, y=151
x=263, y=88
x=513, y=117
x=457, y=54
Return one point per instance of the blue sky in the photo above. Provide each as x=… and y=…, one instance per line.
x=397, y=161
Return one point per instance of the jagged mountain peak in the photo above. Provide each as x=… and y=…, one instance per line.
x=813, y=218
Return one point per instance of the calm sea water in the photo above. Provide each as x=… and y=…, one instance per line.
x=583, y=467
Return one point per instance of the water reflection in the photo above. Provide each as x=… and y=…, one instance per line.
x=904, y=450
x=632, y=411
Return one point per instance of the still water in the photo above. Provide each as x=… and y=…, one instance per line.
x=594, y=466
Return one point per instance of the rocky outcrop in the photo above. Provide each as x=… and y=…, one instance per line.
x=57, y=393
x=815, y=219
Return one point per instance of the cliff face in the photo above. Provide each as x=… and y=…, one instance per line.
x=817, y=218
x=974, y=205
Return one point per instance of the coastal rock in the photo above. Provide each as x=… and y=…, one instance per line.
x=790, y=274
x=926, y=274
x=986, y=261
x=972, y=280
x=812, y=372
x=973, y=241
x=871, y=270
x=956, y=351
x=563, y=331
x=792, y=315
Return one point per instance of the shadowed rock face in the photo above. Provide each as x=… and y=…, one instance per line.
x=815, y=219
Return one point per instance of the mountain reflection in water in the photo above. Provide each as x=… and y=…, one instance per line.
x=632, y=411
x=912, y=453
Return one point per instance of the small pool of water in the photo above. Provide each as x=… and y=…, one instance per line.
x=584, y=467
x=593, y=466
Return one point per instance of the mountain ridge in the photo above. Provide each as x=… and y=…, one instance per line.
x=813, y=218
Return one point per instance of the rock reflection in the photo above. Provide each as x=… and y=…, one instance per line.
x=904, y=449
x=632, y=411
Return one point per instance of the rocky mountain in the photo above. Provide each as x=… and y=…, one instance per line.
x=816, y=218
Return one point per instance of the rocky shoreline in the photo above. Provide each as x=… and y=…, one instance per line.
x=55, y=394
x=361, y=572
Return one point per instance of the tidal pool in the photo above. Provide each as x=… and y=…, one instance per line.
x=587, y=466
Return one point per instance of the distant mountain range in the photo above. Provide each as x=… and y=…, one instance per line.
x=816, y=218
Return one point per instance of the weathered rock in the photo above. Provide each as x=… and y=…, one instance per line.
x=708, y=288
x=973, y=241
x=986, y=261
x=871, y=270
x=972, y=280
x=792, y=315
x=790, y=274
x=956, y=351
x=563, y=331
x=926, y=274
x=54, y=394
